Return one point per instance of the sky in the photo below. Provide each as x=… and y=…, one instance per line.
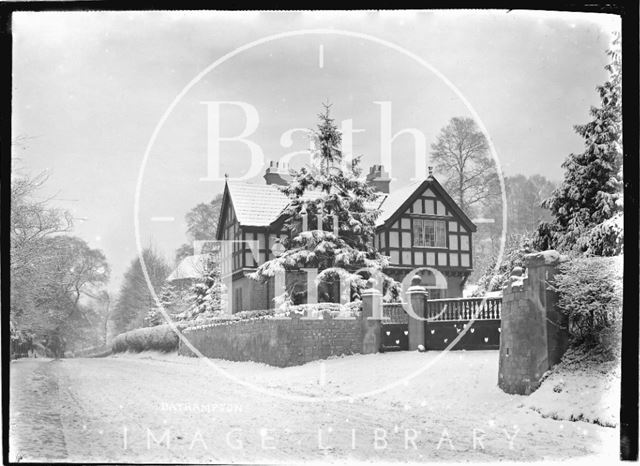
x=91, y=89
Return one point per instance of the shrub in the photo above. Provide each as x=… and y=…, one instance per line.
x=332, y=310
x=159, y=338
x=590, y=295
x=515, y=248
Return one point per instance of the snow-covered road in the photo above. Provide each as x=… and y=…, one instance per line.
x=166, y=408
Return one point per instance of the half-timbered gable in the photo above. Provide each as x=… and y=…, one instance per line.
x=422, y=226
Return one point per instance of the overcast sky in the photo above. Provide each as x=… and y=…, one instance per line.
x=90, y=88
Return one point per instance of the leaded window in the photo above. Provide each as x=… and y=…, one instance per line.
x=429, y=233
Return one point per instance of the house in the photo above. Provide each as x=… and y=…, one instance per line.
x=190, y=270
x=420, y=225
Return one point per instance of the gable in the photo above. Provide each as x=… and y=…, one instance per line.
x=427, y=197
x=252, y=204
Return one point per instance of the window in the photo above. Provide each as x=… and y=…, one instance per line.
x=429, y=233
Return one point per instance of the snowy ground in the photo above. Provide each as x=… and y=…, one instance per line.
x=167, y=408
x=580, y=391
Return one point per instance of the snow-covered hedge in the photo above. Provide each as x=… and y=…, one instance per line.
x=590, y=294
x=159, y=338
x=351, y=309
x=319, y=310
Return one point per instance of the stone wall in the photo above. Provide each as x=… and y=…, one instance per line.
x=291, y=341
x=533, y=334
x=277, y=341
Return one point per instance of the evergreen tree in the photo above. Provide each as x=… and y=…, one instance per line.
x=206, y=296
x=203, y=299
x=587, y=207
x=167, y=295
x=329, y=187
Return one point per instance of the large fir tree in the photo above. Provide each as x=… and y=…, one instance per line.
x=329, y=186
x=587, y=207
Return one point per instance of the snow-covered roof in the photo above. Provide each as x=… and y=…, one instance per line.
x=262, y=204
x=256, y=204
x=393, y=201
x=191, y=267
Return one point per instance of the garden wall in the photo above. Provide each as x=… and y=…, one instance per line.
x=290, y=341
x=279, y=342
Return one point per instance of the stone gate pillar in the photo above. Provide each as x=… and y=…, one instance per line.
x=417, y=296
x=371, y=318
x=533, y=332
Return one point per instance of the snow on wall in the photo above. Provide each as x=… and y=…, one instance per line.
x=533, y=334
x=279, y=342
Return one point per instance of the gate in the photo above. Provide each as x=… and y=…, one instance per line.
x=449, y=317
x=395, y=328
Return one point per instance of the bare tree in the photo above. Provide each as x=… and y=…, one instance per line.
x=461, y=159
x=32, y=222
x=73, y=270
x=135, y=298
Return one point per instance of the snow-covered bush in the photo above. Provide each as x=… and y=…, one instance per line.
x=590, y=295
x=175, y=303
x=243, y=315
x=207, y=297
x=330, y=310
x=605, y=239
x=158, y=338
x=516, y=247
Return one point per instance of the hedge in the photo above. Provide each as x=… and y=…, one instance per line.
x=159, y=338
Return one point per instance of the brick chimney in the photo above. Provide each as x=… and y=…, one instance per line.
x=277, y=173
x=378, y=179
